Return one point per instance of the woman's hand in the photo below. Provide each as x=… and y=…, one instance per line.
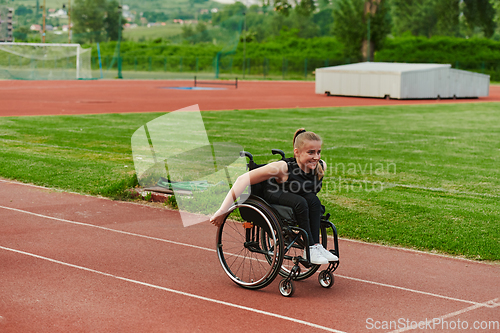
x=217, y=218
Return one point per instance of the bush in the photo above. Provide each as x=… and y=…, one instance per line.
x=475, y=54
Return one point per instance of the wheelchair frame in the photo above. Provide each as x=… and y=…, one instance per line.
x=266, y=243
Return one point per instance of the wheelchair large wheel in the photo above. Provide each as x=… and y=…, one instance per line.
x=297, y=250
x=239, y=246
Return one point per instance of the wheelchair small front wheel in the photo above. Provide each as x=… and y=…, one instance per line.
x=297, y=250
x=325, y=279
x=286, y=287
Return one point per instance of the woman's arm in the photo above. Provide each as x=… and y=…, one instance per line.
x=276, y=169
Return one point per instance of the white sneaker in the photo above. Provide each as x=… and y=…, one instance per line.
x=316, y=256
x=327, y=254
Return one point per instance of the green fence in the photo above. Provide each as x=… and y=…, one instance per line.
x=253, y=68
x=263, y=68
x=159, y=67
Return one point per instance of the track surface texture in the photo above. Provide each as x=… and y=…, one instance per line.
x=73, y=263
x=23, y=98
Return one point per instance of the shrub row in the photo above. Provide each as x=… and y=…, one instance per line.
x=480, y=55
x=322, y=47
x=476, y=54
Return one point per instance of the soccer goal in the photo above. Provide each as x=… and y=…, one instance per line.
x=44, y=61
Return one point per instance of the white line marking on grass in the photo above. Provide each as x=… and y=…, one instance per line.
x=213, y=250
x=438, y=320
x=64, y=147
x=438, y=189
x=433, y=189
x=237, y=306
x=406, y=141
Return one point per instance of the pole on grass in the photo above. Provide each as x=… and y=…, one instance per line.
x=119, y=40
x=368, y=51
x=69, y=21
x=43, y=24
x=305, y=68
x=99, y=56
x=217, y=60
x=244, y=39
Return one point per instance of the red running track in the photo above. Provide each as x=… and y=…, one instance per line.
x=73, y=263
x=23, y=98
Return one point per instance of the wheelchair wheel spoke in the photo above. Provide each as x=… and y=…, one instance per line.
x=240, y=251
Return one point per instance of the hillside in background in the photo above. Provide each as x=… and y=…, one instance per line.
x=29, y=12
x=171, y=8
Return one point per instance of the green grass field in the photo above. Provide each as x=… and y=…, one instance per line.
x=424, y=177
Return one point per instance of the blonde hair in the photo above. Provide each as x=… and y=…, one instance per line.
x=299, y=138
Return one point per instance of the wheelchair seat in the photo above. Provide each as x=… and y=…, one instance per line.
x=285, y=211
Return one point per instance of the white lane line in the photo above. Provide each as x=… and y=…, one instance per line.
x=408, y=289
x=439, y=320
x=241, y=307
x=213, y=250
x=107, y=229
x=393, y=247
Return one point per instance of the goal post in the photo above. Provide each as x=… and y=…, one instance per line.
x=44, y=61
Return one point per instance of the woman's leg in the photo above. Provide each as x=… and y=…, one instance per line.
x=300, y=208
x=308, y=211
x=315, y=212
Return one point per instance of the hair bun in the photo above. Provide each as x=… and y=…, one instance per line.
x=300, y=132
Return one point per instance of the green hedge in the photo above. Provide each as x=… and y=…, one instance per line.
x=294, y=57
x=476, y=54
x=284, y=56
x=323, y=47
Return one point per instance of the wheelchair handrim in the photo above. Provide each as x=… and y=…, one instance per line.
x=224, y=264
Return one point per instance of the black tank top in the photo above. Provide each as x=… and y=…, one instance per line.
x=298, y=182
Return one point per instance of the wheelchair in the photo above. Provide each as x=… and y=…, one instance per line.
x=268, y=242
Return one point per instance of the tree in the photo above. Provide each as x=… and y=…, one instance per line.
x=481, y=14
x=22, y=10
x=496, y=7
x=88, y=20
x=415, y=16
x=302, y=7
x=350, y=25
x=202, y=34
x=228, y=12
x=112, y=20
x=96, y=20
x=447, y=12
x=324, y=19
x=21, y=34
x=187, y=31
x=377, y=18
x=199, y=34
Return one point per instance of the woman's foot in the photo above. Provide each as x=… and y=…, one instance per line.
x=316, y=255
x=327, y=254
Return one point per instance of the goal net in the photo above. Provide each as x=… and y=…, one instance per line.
x=44, y=61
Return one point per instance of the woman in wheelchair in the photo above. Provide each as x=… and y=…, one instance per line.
x=292, y=182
